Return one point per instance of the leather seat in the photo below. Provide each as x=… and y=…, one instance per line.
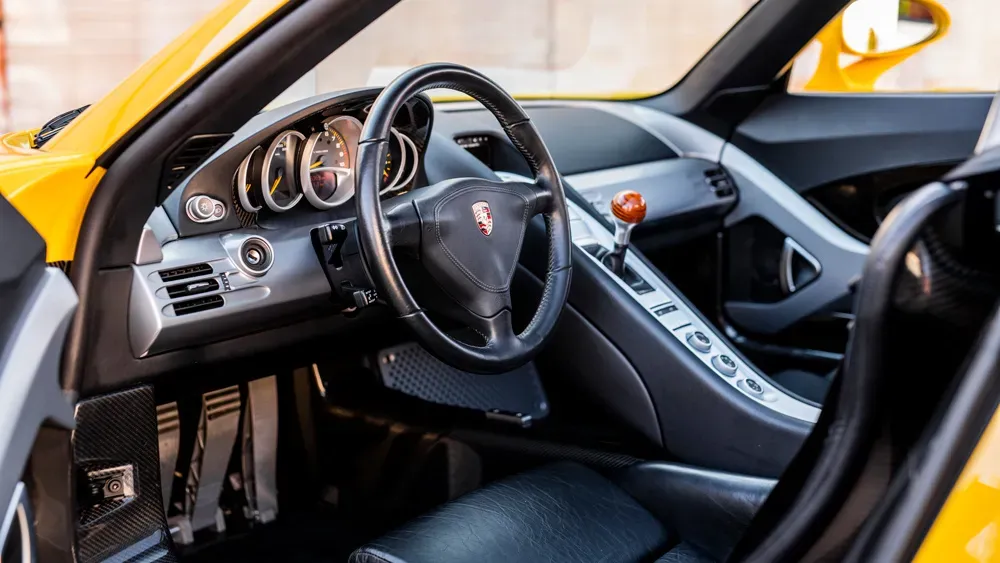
x=565, y=512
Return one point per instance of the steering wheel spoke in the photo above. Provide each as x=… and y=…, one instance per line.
x=402, y=225
x=498, y=331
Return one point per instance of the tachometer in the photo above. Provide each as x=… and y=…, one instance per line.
x=279, y=186
x=326, y=170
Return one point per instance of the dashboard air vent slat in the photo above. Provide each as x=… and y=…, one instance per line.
x=185, y=272
x=198, y=305
x=192, y=288
x=189, y=156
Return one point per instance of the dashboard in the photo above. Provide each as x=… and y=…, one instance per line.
x=252, y=251
x=256, y=238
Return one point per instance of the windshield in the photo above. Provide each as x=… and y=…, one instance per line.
x=534, y=48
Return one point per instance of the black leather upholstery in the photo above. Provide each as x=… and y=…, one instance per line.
x=559, y=513
x=567, y=513
x=710, y=510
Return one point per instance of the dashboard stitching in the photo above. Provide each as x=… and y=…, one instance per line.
x=454, y=260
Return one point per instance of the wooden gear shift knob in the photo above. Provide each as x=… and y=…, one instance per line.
x=629, y=207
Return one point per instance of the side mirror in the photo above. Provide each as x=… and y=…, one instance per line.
x=869, y=37
x=887, y=28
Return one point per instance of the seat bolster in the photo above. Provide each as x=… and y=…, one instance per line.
x=708, y=509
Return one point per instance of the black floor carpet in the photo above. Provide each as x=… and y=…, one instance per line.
x=307, y=538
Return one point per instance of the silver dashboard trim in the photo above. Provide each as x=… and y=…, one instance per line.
x=295, y=280
x=149, y=251
x=657, y=181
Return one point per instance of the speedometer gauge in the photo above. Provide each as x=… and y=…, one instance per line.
x=326, y=170
x=279, y=186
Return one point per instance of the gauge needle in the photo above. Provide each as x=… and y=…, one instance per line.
x=247, y=188
x=274, y=186
x=316, y=164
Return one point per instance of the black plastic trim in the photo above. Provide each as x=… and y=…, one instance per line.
x=812, y=140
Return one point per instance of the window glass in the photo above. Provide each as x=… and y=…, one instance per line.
x=904, y=46
x=535, y=48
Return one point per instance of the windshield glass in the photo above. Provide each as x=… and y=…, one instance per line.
x=534, y=48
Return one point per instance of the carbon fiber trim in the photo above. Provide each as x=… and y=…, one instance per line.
x=119, y=431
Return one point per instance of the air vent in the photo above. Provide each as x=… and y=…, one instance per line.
x=185, y=272
x=189, y=155
x=198, y=305
x=192, y=288
x=721, y=184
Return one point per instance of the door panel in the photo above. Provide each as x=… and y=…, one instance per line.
x=36, y=306
x=803, y=163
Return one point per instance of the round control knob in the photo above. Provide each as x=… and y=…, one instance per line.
x=629, y=207
x=724, y=364
x=699, y=341
x=751, y=386
x=203, y=209
x=256, y=256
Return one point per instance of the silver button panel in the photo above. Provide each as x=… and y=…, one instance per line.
x=687, y=327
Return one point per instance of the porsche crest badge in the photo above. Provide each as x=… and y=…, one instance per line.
x=484, y=217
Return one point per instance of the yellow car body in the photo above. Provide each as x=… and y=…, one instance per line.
x=51, y=188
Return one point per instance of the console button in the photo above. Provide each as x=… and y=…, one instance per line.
x=751, y=386
x=699, y=341
x=724, y=364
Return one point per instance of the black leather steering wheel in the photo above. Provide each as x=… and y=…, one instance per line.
x=467, y=232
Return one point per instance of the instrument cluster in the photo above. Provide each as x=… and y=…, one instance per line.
x=316, y=163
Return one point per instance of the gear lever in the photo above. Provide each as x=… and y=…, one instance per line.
x=629, y=209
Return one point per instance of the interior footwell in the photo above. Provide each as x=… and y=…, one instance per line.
x=299, y=538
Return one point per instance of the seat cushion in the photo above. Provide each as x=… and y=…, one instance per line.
x=562, y=512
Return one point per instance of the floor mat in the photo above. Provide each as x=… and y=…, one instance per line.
x=294, y=539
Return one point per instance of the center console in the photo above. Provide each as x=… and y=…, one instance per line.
x=678, y=319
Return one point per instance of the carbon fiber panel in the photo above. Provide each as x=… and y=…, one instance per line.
x=119, y=431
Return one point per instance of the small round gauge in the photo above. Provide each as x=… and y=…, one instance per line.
x=278, y=182
x=326, y=169
x=243, y=183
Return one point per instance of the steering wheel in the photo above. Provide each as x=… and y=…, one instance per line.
x=468, y=232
